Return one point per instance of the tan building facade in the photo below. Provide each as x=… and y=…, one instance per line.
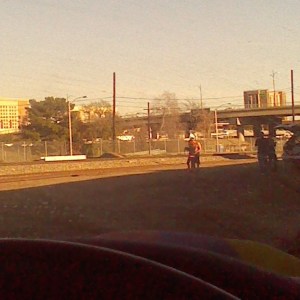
x=90, y=113
x=264, y=98
x=13, y=114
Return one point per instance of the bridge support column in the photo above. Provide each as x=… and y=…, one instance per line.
x=272, y=131
x=240, y=130
x=257, y=129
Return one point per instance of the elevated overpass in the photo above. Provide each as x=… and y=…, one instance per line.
x=283, y=111
x=256, y=117
x=247, y=116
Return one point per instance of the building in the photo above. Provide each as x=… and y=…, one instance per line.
x=90, y=113
x=13, y=114
x=264, y=98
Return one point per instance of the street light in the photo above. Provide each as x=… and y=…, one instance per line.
x=216, y=124
x=70, y=122
x=273, y=76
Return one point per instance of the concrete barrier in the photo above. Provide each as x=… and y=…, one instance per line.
x=64, y=158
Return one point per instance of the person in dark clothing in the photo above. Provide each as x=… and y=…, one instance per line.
x=272, y=153
x=262, y=144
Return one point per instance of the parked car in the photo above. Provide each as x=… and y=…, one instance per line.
x=283, y=134
x=291, y=149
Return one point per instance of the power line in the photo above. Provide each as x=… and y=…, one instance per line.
x=176, y=99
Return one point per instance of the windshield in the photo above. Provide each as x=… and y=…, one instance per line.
x=154, y=129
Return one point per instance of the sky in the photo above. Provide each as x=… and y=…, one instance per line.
x=72, y=48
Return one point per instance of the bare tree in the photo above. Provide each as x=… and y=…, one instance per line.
x=200, y=120
x=190, y=104
x=166, y=106
x=166, y=101
x=97, y=110
x=205, y=122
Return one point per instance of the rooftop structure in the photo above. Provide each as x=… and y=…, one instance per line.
x=264, y=98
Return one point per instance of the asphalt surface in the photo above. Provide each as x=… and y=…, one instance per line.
x=223, y=199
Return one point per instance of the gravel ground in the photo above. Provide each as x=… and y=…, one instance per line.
x=40, y=167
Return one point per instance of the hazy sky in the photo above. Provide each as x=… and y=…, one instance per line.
x=60, y=47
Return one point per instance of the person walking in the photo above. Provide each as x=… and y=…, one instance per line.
x=191, y=149
x=262, y=145
x=272, y=153
x=197, y=154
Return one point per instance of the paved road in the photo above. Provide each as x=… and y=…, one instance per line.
x=227, y=200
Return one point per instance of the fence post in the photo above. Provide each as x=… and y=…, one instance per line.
x=19, y=158
x=30, y=153
x=119, y=146
x=133, y=146
x=65, y=147
x=2, y=147
x=101, y=147
x=46, y=149
x=178, y=146
x=24, y=151
x=166, y=146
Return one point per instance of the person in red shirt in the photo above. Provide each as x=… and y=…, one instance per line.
x=193, y=149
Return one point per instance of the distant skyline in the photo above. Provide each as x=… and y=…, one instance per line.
x=72, y=47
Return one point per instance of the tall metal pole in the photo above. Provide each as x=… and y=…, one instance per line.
x=70, y=122
x=292, y=90
x=149, y=128
x=273, y=75
x=70, y=127
x=216, y=127
x=114, y=112
x=201, y=103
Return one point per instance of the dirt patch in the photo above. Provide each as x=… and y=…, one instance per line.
x=111, y=155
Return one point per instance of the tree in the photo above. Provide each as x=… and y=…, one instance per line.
x=205, y=123
x=167, y=106
x=190, y=104
x=96, y=110
x=201, y=120
x=97, y=122
x=48, y=120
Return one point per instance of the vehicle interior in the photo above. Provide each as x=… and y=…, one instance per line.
x=98, y=100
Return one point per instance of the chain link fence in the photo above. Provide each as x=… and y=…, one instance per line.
x=30, y=151
x=34, y=151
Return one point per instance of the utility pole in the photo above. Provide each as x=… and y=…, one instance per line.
x=201, y=103
x=70, y=126
x=70, y=121
x=216, y=129
x=114, y=113
x=149, y=128
x=292, y=91
x=273, y=76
